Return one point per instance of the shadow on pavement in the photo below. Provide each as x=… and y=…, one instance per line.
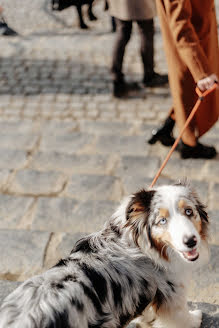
x=29, y=77
x=32, y=77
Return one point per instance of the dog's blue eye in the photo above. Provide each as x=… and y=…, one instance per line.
x=163, y=221
x=189, y=211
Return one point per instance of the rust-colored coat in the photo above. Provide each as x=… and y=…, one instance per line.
x=189, y=30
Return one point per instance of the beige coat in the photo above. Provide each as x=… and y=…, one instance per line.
x=190, y=38
x=132, y=9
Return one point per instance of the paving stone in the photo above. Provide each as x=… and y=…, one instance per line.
x=132, y=184
x=204, y=307
x=70, y=163
x=12, y=159
x=201, y=188
x=214, y=227
x=24, y=253
x=136, y=182
x=68, y=241
x=31, y=182
x=90, y=216
x=93, y=187
x=214, y=204
x=4, y=175
x=58, y=127
x=26, y=142
x=68, y=143
x=212, y=170
x=92, y=114
x=131, y=165
x=147, y=115
x=61, y=246
x=206, y=278
x=213, y=133
x=56, y=215
x=146, y=130
x=189, y=168
x=104, y=127
x=134, y=145
x=210, y=321
x=17, y=127
x=12, y=209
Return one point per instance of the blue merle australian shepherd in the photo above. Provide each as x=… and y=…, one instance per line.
x=135, y=268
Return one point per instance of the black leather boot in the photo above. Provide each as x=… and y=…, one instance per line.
x=198, y=151
x=6, y=30
x=121, y=88
x=155, y=80
x=164, y=134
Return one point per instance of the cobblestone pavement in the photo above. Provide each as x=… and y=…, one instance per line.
x=69, y=151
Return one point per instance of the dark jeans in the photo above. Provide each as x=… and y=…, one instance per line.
x=124, y=30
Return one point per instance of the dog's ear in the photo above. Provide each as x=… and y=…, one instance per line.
x=204, y=219
x=199, y=206
x=201, y=209
x=137, y=214
x=140, y=204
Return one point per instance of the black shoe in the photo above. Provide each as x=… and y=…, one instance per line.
x=91, y=16
x=6, y=30
x=83, y=26
x=164, y=134
x=57, y=5
x=198, y=151
x=155, y=80
x=106, y=7
x=121, y=88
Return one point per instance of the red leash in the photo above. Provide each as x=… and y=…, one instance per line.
x=190, y=117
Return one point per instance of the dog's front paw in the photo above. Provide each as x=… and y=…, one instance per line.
x=196, y=318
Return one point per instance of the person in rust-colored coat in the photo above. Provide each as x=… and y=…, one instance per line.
x=189, y=29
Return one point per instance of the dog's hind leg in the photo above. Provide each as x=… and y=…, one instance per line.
x=81, y=20
x=90, y=13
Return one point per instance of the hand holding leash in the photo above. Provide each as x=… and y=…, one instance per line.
x=201, y=95
x=207, y=83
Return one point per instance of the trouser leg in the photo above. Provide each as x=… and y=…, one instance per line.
x=123, y=34
x=146, y=29
x=113, y=22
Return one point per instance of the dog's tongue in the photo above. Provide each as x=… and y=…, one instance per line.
x=191, y=255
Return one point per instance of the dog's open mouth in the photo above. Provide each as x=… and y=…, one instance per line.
x=191, y=255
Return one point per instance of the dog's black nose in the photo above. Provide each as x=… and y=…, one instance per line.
x=190, y=241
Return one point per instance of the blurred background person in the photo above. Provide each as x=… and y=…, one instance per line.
x=113, y=21
x=189, y=30
x=4, y=28
x=126, y=12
